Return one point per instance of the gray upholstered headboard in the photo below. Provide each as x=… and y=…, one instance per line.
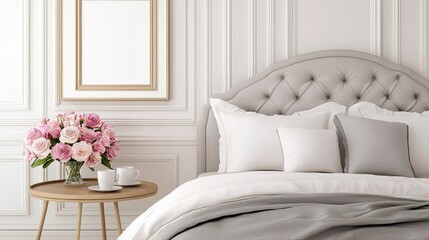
x=305, y=81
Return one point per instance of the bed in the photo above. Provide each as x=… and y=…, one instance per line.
x=305, y=205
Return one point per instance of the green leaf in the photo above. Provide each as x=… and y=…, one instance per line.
x=39, y=162
x=106, y=162
x=54, y=141
x=92, y=169
x=48, y=163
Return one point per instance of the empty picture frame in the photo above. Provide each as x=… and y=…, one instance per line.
x=113, y=50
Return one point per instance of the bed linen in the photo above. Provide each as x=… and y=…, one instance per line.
x=305, y=216
x=230, y=187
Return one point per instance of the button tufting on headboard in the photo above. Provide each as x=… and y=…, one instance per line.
x=345, y=77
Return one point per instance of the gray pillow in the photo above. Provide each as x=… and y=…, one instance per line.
x=373, y=146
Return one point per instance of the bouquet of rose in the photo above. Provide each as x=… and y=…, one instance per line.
x=72, y=137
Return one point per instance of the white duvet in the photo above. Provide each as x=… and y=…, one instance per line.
x=214, y=189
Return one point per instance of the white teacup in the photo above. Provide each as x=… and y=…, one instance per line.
x=127, y=175
x=106, y=179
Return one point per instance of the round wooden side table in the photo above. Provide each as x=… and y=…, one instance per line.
x=58, y=192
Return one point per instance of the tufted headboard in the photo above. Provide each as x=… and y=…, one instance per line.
x=308, y=80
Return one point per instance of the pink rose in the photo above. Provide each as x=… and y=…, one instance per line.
x=34, y=134
x=62, y=152
x=105, y=126
x=40, y=147
x=112, y=134
x=43, y=122
x=69, y=134
x=81, y=151
x=71, y=119
x=55, y=132
x=44, y=130
x=98, y=147
x=112, y=152
x=29, y=156
x=92, y=120
x=103, y=138
x=54, y=128
x=87, y=135
x=93, y=160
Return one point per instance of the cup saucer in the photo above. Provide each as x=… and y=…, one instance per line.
x=97, y=188
x=134, y=183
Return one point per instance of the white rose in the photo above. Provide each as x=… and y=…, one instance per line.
x=69, y=134
x=40, y=147
x=81, y=151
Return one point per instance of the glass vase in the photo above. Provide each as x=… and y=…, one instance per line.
x=73, y=173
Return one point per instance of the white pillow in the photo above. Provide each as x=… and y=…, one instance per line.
x=332, y=107
x=310, y=150
x=418, y=131
x=251, y=139
x=221, y=105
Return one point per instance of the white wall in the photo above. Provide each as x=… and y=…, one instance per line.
x=214, y=45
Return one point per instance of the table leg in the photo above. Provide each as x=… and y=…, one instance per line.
x=79, y=220
x=118, y=218
x=103, y=221
x=42, y=219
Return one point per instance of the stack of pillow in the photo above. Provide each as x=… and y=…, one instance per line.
x=328, y=138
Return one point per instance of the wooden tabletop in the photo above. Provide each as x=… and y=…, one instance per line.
x=57, y=191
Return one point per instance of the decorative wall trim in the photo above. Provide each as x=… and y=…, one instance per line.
x=191, y=56
x=252, y=30
x=45, y=58
x=24, y=103
x=202, y=50
x=228, y=44
x=19, y=122
x=16, y=141
x=288, y=28
x=396, y=31
x=271, y=27
x=158, y=141
x=293, y=27
x=423, y=38
x=116, y=122
x=376, y=27
x=25, y=210
x=209, y=48
x=11, y=140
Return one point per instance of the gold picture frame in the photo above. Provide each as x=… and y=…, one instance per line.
x=152, y=86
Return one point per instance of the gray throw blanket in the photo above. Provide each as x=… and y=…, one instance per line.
x=305, y=216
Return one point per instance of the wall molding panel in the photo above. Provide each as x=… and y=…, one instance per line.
x=396, y=31
x=227, y=44
x=24, y=103
x=252, y=31
x=6, y=163
x=376, y=27
x=423, y=38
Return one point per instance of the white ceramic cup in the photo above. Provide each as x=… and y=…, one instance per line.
x=106, y=178
x=127, y=175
